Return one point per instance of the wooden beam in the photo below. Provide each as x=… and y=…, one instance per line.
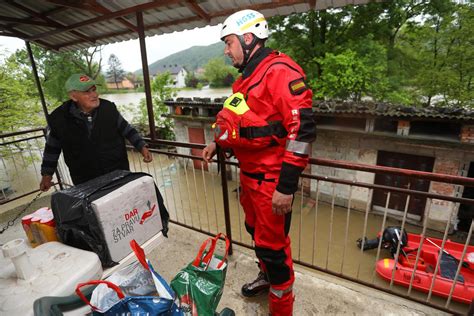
x=22, y=35
x=184, y=21
x=198, y=10
x=47, y=19
x=9, y=34
x=259, y=7
x=149, y=27
x=312, y=4
x=113, y=15
x=55, y=11
x=82, y=5
x=93, y=6
x=24, y=21
x=104, y=10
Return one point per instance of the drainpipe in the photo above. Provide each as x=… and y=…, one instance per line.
x=146, y=75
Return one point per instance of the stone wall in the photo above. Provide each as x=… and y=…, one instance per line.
x=362, y=148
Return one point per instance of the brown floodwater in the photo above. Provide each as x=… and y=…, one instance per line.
x=322, y=235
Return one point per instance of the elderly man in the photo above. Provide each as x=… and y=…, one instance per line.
x=91, y=134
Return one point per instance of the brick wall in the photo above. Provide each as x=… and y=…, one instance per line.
x=403, y=128
x=467, y=134
x=443, y=210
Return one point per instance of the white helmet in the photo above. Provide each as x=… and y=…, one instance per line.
x=245, y=21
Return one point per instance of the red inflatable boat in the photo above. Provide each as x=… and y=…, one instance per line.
x=424, y=271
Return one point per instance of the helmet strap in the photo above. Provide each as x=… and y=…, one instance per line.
x=247, y=49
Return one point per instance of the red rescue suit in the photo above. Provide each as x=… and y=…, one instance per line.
x=275, y=91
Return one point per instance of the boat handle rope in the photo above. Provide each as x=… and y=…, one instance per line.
x=465, y=264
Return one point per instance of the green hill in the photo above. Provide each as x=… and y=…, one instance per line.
x=191, y=58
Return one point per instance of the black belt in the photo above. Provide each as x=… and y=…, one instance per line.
x=257, y=176
x=274, y=128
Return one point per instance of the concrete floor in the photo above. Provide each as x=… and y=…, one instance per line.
x=316, y=293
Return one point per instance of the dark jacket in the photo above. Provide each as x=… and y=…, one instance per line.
x=89, y=156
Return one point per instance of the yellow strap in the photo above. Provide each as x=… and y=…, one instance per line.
x=236, y=103
x=251, y=23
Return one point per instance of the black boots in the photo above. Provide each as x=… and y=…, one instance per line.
x=259, y=286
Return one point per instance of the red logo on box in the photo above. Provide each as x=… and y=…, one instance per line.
x=147, y=214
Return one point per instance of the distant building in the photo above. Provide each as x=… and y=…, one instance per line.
x=124, y=84
x=199, y=72
x=178, y=73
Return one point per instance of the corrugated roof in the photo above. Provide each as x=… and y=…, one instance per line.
x=70, y=25
x=332, y=108
x=358, y=109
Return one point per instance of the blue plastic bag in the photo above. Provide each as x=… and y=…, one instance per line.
x=110, y=299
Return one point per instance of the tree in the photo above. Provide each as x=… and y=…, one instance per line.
x=161, y=90
x=115, y=71
x=191, y=80
x=428, y=48
x=217, y=73
x=440, y=47
x=350, y=76
x=19, y=106
x=55, y=67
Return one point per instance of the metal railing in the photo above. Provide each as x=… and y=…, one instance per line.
x=325, y=220
x=20, y=164
x=329, y=213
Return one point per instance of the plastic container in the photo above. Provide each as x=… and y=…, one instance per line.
x=35, y=230
x=51, y=269
x=26, y=223
x=47, y=229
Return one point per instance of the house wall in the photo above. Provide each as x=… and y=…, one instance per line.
x=124, y=84
x=180, y=79
x=181, y=134
x=363, y=148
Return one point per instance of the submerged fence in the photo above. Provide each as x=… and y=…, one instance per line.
x=329, y=213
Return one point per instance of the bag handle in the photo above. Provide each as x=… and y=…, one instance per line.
x=96, y=282
x=199, y=257
x=227, y=246
x=139, y=253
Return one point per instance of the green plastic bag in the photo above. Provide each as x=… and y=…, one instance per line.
x=200, y=284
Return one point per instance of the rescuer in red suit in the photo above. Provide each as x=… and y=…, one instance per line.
x=268, y=123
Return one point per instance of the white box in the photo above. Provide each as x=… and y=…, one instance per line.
x=129, y=212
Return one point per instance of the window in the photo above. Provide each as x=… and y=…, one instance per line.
x=433, y=129
x=385, y=124
x=341, y=123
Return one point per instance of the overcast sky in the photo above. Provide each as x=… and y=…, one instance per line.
x=128, y=52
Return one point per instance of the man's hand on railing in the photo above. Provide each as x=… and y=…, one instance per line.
x=147, y=157
x=209, y=151
x=46, y=183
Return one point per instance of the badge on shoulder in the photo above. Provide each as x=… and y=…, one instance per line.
x=298, y=86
